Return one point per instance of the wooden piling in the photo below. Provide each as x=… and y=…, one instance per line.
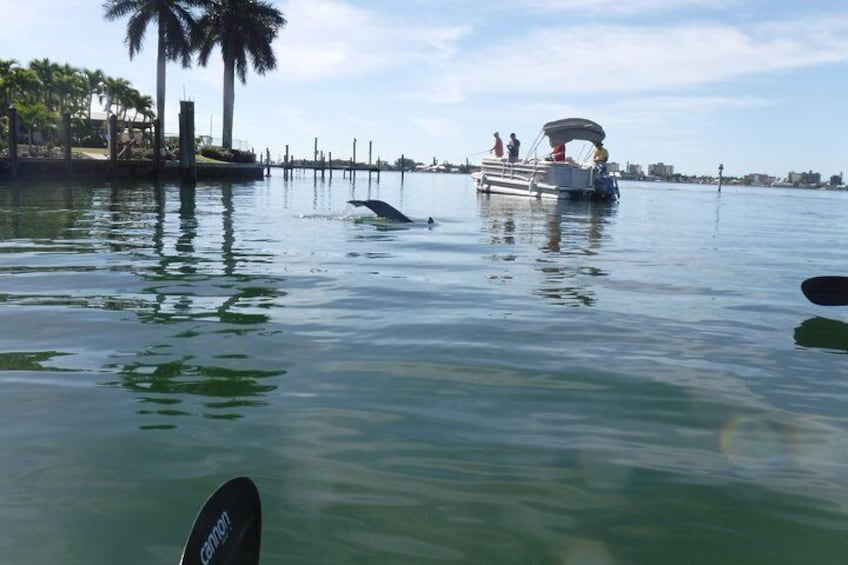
x=13, y=141
x=157, y=145
x=113, y=140
x=66, y=139
x=188, y=167
x=315, y=160
x=353, y=161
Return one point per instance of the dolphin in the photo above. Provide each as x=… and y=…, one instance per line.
x=384, y=210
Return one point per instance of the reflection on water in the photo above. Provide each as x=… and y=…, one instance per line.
x=27, y=360
x=164, y=386
x=81, y=234
x=420, y=395
x=823, y=333
x=566, y=233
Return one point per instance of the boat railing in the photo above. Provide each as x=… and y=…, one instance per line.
x=526, y=170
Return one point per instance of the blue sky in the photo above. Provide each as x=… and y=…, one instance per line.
x=758, y=85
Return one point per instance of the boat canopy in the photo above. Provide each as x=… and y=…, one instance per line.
x=569, y=129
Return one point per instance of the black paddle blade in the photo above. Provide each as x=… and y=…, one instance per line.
x=826, y=291
x=228, y=529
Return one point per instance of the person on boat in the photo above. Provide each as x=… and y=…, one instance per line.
x=512, y=147
x=497, y=148
x=600, y=156
x=558, y=153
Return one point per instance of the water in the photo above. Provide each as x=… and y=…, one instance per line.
x=524, y=382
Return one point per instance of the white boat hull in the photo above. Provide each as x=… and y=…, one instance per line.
x=544, y=179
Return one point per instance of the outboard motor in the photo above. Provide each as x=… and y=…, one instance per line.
x=606, y=186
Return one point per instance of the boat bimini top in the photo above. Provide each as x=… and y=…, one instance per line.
x=569, y=129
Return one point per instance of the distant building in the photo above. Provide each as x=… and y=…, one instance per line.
x=804, y=179
x=635, y=170
x=810, y=178
x=613, y=167
x=793, y=177
x=836, y=180
x=759, y=179
x=661, y=170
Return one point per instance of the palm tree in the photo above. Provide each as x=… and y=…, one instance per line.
x=175, y=24
x=95, y=80
x=45, y=69
x=23, y=83
x=70, y=90
x=243, y=29
x=6, y=66
x=35, y=117
x=118, y=92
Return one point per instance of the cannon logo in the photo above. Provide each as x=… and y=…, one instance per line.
x=216, y=538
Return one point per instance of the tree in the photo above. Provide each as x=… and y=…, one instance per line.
x=6, y=67
x=35, y=117
x=70, y=90
x=175, y=23
x=44, y=69
x=118, y=92
x=405, y=163
x=96, y=83
x=242, y=29
x=22, y=83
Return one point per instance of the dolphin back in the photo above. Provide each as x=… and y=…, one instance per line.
x=382, y=209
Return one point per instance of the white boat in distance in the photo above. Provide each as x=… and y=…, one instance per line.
x=544, y=178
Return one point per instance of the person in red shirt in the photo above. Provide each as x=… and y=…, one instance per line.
x=558, y=153
x=497, y=148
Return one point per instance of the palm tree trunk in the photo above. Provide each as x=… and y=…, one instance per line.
x=160, y=87
x=229, y=100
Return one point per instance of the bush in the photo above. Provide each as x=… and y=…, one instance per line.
x=40, y=151
x=244, y=156
x=94, y=141
x=217, y=153
x=230, y=156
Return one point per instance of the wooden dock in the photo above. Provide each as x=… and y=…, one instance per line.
x=325, y=169
x=325, y=165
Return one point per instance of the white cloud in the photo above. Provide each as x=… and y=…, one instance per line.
x=622, y=7
x=598, y=58
x=332, y=39
x=436, y=127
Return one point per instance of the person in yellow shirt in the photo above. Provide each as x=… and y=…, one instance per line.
x=600, y=155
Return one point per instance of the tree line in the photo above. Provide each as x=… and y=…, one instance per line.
x=242, y=30
x=43, y=91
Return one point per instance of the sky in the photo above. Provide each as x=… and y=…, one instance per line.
x=756, y=85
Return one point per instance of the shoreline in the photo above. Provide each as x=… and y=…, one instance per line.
x=84, y=168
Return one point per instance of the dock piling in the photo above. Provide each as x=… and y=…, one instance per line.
x=66, y=139
x=188, y=166
x=13, y=140
x=113, y=139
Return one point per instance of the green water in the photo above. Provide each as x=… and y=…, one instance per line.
x=524, y=382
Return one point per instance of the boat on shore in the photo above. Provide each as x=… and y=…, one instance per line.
x=546, y=178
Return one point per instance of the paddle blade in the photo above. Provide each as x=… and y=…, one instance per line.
x=228, y=529
x=826, y=291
